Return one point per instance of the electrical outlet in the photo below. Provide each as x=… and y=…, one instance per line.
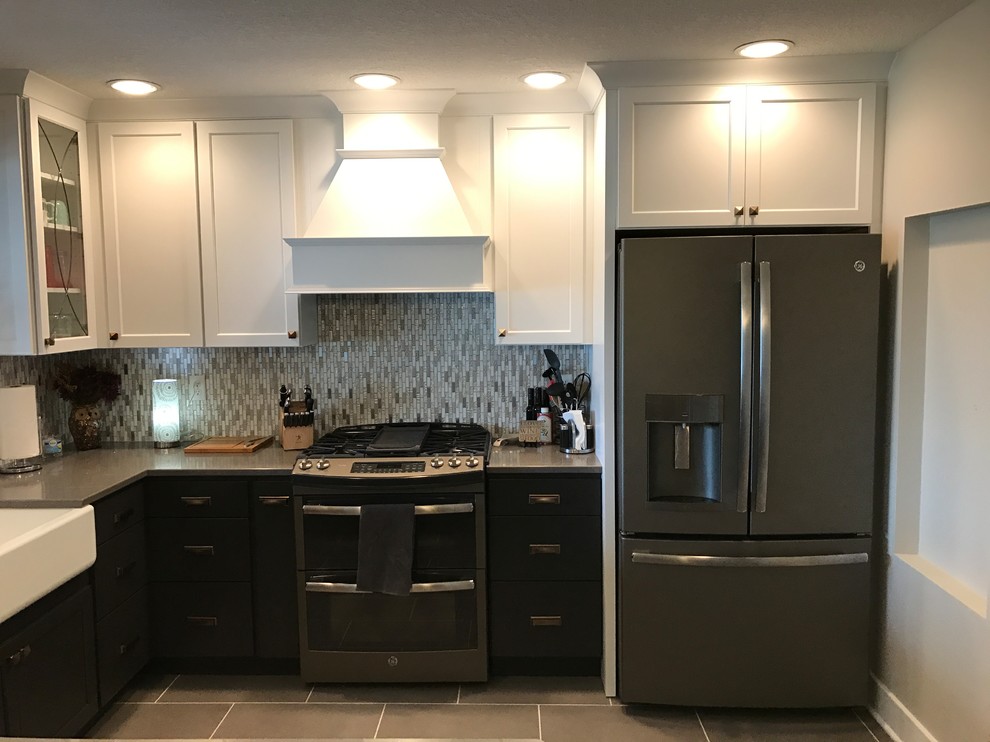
x=195, y=392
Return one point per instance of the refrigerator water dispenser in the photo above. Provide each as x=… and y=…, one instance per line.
x=684, y=440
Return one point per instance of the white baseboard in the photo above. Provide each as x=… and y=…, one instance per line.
x=895, y=718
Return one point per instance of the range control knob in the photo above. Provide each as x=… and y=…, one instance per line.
x=322, y=464
x=454, y=462
x=471, y=462
x=305, y=464
x=437, y=462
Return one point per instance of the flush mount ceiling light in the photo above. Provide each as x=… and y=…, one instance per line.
x=134, y=87
x=765, y=48
x=375, y=80
x=544, y=80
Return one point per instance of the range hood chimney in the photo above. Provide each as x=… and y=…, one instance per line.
x=390, y=220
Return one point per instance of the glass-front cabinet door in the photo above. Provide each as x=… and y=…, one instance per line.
x=59, y=202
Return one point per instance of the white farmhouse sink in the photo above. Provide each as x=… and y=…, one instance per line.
x=40, y=549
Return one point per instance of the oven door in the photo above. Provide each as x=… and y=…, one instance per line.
x=436, y=633
x=446, y=530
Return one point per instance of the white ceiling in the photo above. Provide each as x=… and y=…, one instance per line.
x=209, y=48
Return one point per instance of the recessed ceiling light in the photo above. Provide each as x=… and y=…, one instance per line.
x=375, y=80
x=766, y=48
x=544, y=80
x=134, y=87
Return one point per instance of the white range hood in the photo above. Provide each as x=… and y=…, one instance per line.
x=390, y=220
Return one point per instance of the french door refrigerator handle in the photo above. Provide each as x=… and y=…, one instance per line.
x=745, y=380
x=417, y=587
x=443, y=509
x=690, y=560
x=763, y=413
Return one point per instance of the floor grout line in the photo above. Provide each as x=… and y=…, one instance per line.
x=703, y=730
x=539, y=722
x=863, y=722
x=380, y=718
x=312, y=688
x=458, y=694
x=222, y=721
x=166, y=689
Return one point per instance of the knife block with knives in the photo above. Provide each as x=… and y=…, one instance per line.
x=295, y=420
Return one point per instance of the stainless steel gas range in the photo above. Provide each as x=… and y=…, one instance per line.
x=438, y=631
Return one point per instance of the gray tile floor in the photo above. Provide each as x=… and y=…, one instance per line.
x=547, y=709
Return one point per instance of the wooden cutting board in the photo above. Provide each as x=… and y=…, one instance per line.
x=229, y=444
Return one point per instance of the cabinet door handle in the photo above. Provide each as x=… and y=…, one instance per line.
x=115, y=336
x=197, y=501
x=293, y=334
x=124, y=569
x=274, y=500
x=502, y=332
x=544, y=499
x=754, y=210
x=123, y=515
x=546, y=621
x=209, y=621
x=199, y=550
x=128, y=646
x=20, y=655
x=738, y=211
x=49, y=341
x=535, y=549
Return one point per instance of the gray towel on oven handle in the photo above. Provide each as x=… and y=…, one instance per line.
x=385, y=548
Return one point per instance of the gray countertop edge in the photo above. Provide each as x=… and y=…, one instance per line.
x=81, y=478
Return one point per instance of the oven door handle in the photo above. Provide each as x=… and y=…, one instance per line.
x=447, y=509
x=417, y=587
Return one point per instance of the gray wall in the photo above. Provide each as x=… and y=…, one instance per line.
x=378, y=357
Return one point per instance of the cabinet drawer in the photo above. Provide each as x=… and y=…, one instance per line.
x=202, y=619
x=546, y=495
x=564, y=548
x=199, y=549
x=118, y=512
x=123, y=645
x=121, y=569
x=197, y=498
x=546, y=619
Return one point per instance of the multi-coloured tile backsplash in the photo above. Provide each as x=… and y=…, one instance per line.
x=379, y=357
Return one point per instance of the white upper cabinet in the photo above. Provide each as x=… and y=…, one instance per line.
x=246, y=206
x=194, y=215
x=151, y=234
x=539, y=236
x=47, y=285
x=747, y=155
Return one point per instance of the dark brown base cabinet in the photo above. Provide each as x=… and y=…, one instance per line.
x=120, y=578
x=48, y=665
x=545, y=568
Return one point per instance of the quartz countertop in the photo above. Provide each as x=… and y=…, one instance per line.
x=515, y=459
x=80, y=478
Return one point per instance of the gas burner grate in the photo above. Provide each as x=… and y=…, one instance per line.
x=352, y=441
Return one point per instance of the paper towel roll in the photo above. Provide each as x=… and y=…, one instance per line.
x=19, y=437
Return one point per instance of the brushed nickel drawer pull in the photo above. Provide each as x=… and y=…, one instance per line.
x=197, y=501
x=122, y=571
x=199, y=550
x=209, y=621
x=535, y=549
x=128, y=646
x=20, y=655
x=546, y=621
x=544, y=499
x=123, y=515
x=272, y=500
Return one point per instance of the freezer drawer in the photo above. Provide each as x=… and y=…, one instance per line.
x=744, y=623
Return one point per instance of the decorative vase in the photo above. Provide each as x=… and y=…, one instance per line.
x=84, y=424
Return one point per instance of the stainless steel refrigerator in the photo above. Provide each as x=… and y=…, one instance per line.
x=747, y=371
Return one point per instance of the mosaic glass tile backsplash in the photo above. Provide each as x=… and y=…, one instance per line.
x=379, y=357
